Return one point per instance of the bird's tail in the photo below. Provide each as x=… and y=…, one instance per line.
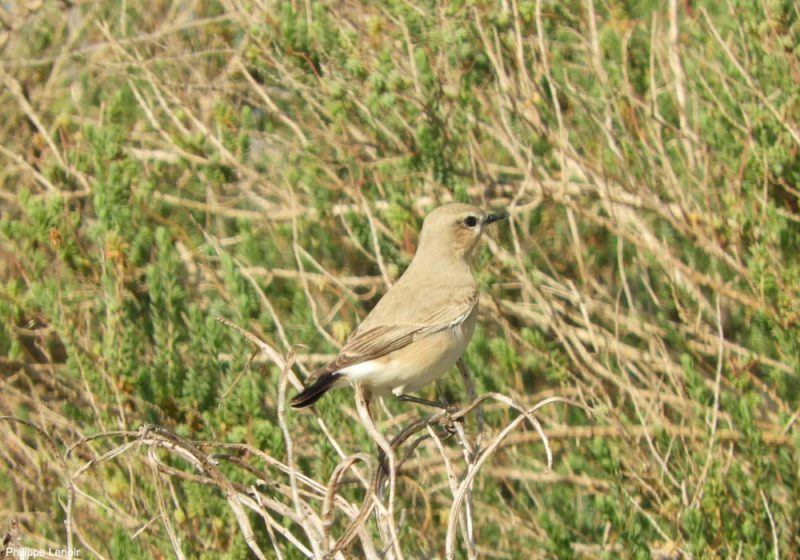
x=313, y=392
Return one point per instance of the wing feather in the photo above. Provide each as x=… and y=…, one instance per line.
x=373, y=340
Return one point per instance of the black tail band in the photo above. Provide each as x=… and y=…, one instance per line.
x=313, y=392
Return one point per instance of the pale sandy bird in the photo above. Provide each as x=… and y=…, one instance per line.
x=423, y=323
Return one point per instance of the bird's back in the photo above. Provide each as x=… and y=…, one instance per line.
x=424, y=297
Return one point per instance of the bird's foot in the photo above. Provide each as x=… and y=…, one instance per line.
x=448, y=421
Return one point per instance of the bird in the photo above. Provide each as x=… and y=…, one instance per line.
x=422, y=324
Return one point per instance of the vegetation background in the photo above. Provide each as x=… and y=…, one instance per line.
x=165, y=163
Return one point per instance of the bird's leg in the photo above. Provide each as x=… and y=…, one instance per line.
x=424, y=402
x=367, y=399
x=447, y=422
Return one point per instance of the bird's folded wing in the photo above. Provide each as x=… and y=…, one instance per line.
x=376, y=340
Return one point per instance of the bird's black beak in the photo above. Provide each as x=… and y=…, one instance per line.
x=494, y=217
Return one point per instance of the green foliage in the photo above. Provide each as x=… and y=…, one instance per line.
x=166, y=165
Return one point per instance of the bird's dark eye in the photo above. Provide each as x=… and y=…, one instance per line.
x=470, y=221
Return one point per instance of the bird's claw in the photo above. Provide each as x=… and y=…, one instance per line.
x=448, y=422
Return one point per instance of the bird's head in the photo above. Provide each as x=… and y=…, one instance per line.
x=454, y=229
